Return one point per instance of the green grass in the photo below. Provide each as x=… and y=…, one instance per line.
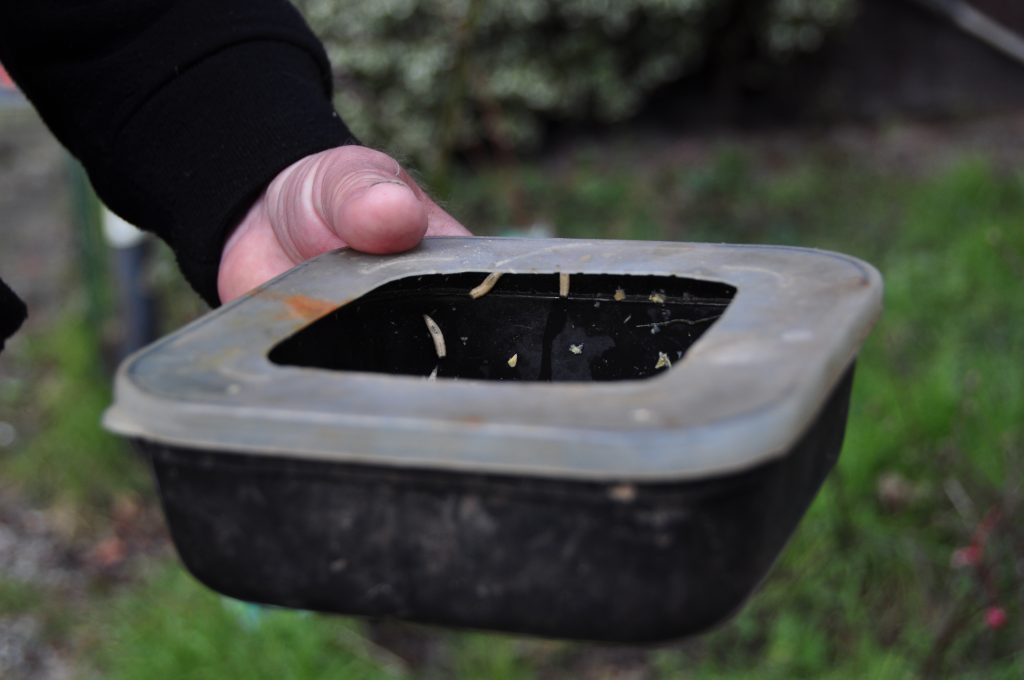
x=70, y=459
x=864, y=589
x=17, y=597
x=170, y=627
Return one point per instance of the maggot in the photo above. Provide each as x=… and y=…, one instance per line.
x=485, y=286
x=563, y=285
x=437, y=336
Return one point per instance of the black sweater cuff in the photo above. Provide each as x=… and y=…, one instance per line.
x=196, y=155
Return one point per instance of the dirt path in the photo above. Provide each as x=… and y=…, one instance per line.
x=35, y=561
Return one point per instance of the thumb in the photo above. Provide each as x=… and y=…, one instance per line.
x=369, y=201
x=347, y=196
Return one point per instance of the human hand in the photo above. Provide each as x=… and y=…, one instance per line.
x=347, y=196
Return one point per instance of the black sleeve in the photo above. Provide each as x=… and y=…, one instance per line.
x=181, y=111
x=12, y=313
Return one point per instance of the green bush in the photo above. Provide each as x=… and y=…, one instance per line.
x=425, y=77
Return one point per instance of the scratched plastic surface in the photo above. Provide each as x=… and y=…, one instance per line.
x=330, y=361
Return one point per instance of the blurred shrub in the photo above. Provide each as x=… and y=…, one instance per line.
x=425, y=77
x=800, y=26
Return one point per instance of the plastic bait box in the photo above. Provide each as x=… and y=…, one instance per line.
x=586, y=439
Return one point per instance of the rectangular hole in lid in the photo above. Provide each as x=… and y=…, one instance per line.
x=608, y=327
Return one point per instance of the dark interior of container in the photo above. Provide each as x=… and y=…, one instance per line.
x=609, y=327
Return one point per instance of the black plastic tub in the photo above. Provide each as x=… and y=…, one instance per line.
x=556, y=468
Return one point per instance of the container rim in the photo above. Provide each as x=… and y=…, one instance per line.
x=742, y=395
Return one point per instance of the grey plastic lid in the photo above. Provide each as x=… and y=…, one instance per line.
x=742, y=395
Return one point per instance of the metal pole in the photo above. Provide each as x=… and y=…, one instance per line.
x=980, y=25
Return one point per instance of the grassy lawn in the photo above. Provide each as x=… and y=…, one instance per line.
x=872, y=585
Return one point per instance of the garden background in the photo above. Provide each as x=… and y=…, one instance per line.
x=883, y=130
